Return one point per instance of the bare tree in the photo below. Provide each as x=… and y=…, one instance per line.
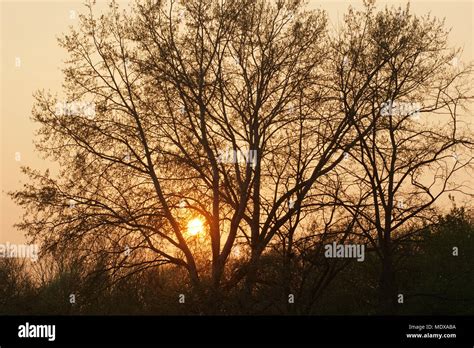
x=242, y=115
x=409, y=159
x=175, y=86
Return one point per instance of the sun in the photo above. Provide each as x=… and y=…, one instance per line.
x=195, y=226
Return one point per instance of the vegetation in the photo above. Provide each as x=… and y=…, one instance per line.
x=432, y=280
x=351, y=134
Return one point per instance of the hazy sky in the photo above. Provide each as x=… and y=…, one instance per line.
x=31, y=60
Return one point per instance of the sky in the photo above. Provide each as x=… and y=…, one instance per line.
x=31, y=60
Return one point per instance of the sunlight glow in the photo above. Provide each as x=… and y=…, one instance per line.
x=195, y=226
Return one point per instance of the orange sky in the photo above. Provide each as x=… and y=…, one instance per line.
x=28, y=30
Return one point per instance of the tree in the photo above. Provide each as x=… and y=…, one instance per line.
x=410, y=158
x=235, y=115
x=175, y=86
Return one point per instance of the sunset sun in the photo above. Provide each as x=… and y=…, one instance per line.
x=195, y=226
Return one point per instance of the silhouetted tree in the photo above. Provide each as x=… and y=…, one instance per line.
x=409, y=159
x=243, y=114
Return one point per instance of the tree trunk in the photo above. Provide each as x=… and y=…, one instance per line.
x=387, y=288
